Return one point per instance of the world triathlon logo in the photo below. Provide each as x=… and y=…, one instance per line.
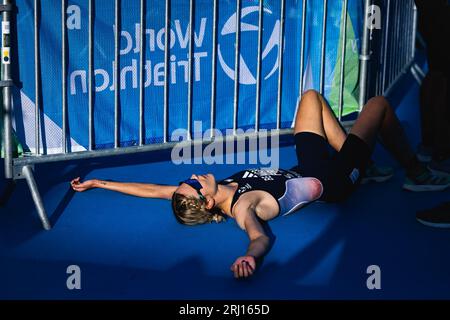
x=249, y=37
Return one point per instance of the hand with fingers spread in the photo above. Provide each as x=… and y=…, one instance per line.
x=244, y=267
x=79, y=186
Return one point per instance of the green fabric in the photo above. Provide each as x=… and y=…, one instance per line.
x=17, y=146
x=351, y=75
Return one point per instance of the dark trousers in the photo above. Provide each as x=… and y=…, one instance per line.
x=434, y=27
x=435, y=113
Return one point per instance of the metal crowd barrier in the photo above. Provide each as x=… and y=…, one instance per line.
x=396, y=54
x=393, y=48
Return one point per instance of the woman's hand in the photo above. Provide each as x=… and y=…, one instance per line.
x=244, y=267
x=82, y=186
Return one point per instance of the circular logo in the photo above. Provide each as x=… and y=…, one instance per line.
x=248, y=57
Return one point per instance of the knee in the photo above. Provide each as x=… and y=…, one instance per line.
x=310, y=93
x=378, y=103
x=309, y=98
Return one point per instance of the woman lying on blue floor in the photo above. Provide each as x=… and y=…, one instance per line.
x=262, y=194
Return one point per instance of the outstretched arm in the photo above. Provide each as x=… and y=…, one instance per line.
x=144, y=190
x=259, y=246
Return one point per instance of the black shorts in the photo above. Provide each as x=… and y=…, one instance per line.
x=340, y=172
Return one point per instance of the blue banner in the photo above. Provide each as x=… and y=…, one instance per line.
x=104, y=32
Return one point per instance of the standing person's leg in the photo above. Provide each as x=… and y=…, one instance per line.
x=426, y=118
x=440, y=163
x=441, y=157
x=441, y=119
x=433, y=26
x=434, y=114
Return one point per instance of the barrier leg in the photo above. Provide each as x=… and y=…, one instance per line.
x=27, y=172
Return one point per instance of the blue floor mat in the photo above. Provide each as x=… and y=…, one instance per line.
x=133, y=248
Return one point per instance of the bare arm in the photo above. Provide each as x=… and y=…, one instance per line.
x=144, y=190
x=259, y=241
x=258, y=247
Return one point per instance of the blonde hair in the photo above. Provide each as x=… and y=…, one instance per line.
x=192, y=211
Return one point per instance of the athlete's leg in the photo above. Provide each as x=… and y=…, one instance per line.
x=378, y=118
x=314, y=115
